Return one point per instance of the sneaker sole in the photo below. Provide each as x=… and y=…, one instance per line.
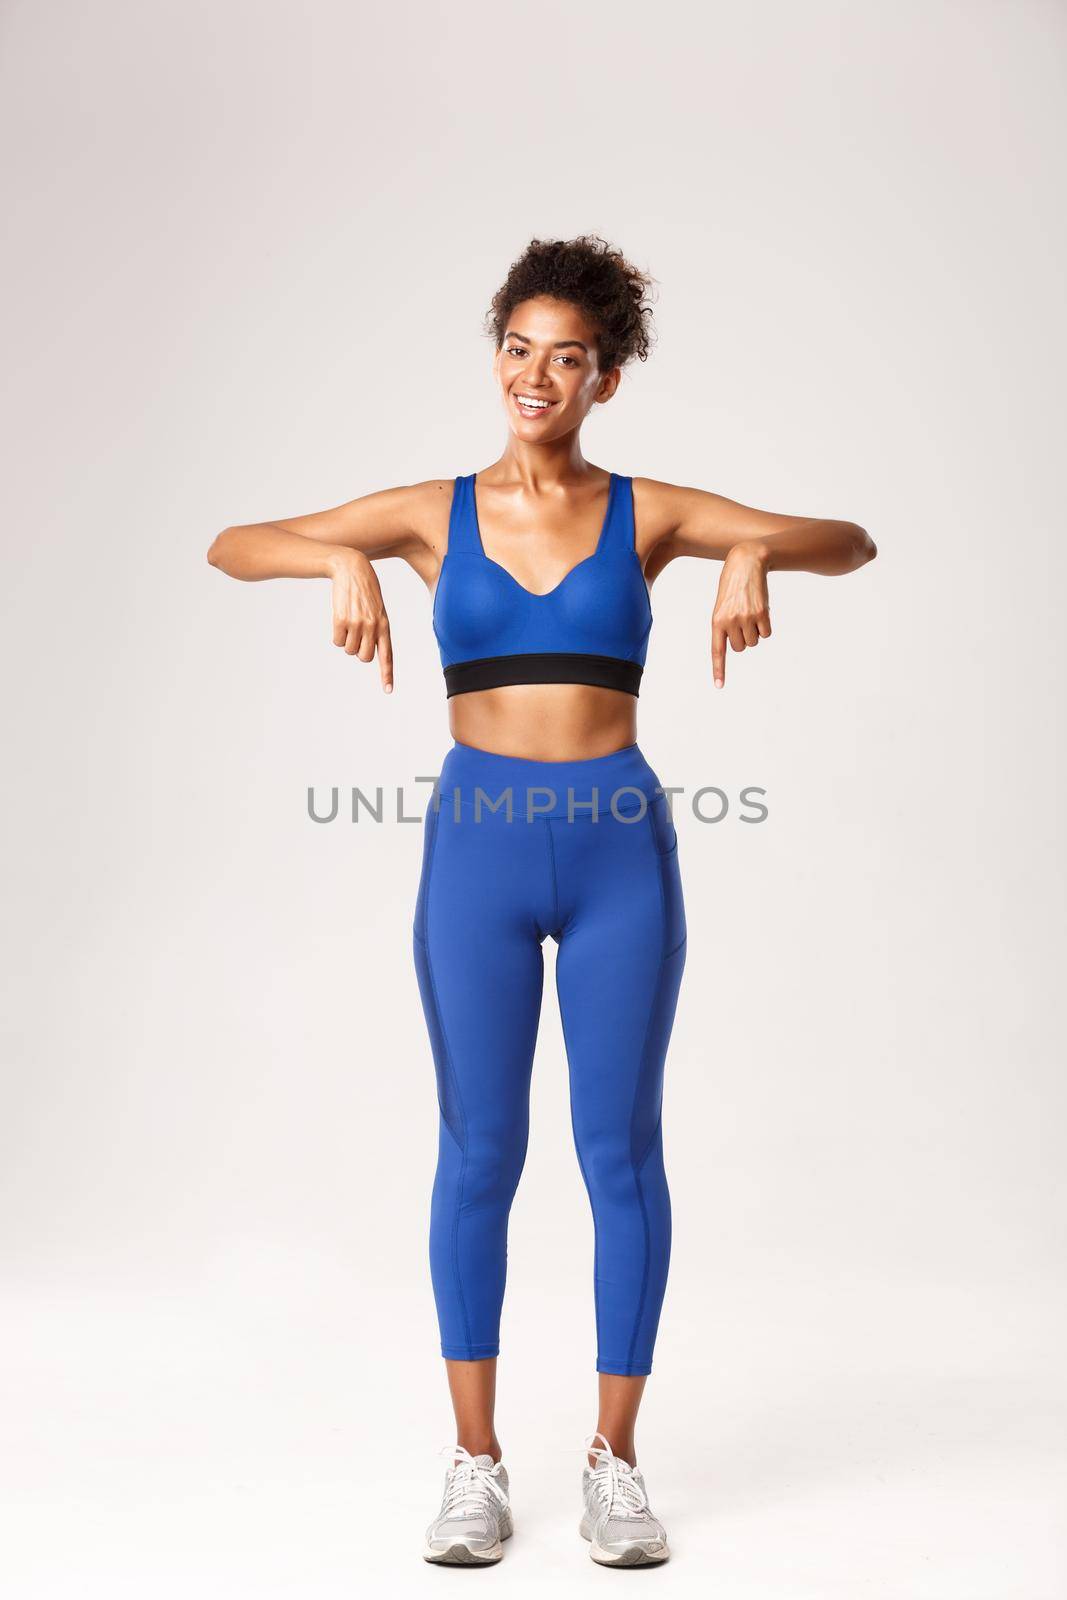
x=634, y=1555
x=461, y=1555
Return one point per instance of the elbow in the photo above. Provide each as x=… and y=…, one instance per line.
x=864, y=548
x=216, y=548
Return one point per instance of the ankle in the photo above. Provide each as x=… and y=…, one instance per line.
x=623, y=1450
x=479, y=1445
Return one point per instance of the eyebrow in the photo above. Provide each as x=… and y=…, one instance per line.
x=560, y=344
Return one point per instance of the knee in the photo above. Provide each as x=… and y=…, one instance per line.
x=609, y=1167
x=492, y=1166
x=618, y=1153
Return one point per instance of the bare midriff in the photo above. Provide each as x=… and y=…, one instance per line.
x=545, y=721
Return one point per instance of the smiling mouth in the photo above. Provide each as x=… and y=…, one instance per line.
x=529, y=405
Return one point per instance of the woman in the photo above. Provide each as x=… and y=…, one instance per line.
x=548, y=821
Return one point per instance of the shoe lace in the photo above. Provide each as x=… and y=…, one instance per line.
x=614, y=1482
x=470, y=1486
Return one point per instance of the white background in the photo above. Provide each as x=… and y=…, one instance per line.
x=250, y=249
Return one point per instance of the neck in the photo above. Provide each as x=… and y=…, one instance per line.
x=542, y=466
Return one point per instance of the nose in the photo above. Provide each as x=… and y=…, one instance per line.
x=535, y=375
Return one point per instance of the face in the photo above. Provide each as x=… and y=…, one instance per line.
x=547, y=369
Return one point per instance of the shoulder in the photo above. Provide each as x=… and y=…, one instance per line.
x=427, y=508
x=427, y=496
x=423, y=508
x=666, y=503
x=658, y=509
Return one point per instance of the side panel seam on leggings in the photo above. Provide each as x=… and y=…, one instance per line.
x=588, y=1190
x=635, y=1168
x=647, y=1151
x=449, y=1067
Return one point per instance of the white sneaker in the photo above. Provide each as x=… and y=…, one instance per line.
x=475, y=1515
x=618, y=1520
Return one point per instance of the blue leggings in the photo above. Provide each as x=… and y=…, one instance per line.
x=608, y=892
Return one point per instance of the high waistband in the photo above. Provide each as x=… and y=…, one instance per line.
x=622, y=782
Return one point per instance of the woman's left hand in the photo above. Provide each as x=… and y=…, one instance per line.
x=742, y=606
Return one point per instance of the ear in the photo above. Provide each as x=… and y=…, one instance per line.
x=608, y=385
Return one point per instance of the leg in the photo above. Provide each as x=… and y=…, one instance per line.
x=619, y=969
x=472, y=1385
x=480, y=969
x=620, y=1400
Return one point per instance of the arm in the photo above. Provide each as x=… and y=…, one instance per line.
x=338, y=544
x=750, y=543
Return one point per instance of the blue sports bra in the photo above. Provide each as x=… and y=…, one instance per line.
x=592, y=627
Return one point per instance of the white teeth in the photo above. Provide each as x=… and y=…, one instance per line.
x=528, y=400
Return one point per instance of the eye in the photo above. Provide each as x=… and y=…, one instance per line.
x=519, y=350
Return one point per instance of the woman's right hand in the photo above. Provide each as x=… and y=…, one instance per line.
x=360, y=622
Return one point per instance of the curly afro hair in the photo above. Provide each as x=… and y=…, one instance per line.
x=590, y=274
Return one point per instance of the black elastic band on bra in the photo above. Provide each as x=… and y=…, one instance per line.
x=553, y=666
